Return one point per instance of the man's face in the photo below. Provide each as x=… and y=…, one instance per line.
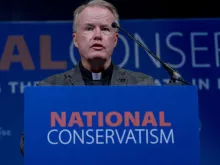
x=94, y=37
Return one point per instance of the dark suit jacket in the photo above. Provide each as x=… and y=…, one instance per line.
x=74, y=77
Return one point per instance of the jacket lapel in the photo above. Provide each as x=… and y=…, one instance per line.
x=118, y=76
x=75, y=77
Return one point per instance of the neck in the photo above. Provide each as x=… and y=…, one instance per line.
x=96, y=66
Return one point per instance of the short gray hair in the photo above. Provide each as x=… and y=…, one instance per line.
x=100, y=3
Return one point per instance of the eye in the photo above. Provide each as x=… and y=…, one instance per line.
x=105, y=29
x=89, y=28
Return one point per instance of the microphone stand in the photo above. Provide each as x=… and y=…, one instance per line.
x=174, y=75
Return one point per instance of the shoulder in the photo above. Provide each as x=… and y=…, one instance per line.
x=56, y=79
x=137, y=77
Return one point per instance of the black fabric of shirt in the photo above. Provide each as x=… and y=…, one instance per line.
x=105, y=76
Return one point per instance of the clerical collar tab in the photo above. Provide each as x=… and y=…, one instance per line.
x=96, y=76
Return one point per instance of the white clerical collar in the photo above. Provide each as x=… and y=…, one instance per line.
x=96, y=76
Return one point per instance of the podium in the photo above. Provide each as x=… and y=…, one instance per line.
x=111, y=125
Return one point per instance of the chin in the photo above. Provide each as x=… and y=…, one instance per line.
x=98, y=57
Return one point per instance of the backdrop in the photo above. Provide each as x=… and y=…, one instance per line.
x=32, y=51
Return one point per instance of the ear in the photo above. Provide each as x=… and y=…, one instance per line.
x=116, y=39
x=75, y=40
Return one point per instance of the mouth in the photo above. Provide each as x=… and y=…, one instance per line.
x=97, y=46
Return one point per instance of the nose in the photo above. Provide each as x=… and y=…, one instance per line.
x=97, y=34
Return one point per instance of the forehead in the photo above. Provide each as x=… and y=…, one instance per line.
x=95, y=14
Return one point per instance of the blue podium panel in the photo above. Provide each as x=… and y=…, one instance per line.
x=110, y=125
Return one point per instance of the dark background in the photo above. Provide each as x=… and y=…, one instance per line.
x=36, y=10
x=41, y=10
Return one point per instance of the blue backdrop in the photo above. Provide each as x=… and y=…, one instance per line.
x=31, y=51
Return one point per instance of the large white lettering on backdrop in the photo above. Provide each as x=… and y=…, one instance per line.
x=189, y=50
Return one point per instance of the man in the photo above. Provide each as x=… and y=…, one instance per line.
x=95, y=39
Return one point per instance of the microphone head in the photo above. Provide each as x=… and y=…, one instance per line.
x=114, y=25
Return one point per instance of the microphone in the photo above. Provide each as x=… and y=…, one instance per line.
x=175, y=76
x=22, y=144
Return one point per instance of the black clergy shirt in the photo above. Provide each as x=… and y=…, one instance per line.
x=103, y=78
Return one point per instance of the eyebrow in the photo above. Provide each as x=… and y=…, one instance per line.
x=104, y=25
x=89, y=24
